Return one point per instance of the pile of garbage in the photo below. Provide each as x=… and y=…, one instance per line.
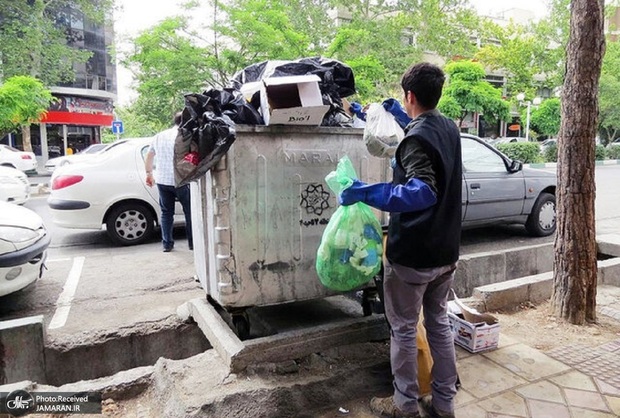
x=208, y=123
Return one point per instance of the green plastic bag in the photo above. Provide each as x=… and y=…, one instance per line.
x=349, y=255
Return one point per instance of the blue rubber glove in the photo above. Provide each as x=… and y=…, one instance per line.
x=411, y=197
x=357, y=109
x=394, y=107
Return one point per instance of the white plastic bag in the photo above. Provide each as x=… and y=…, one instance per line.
x=382, y=133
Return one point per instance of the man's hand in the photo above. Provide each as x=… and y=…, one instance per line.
x=353, y=194
x=149, y=180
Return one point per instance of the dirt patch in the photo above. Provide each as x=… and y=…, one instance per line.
x=537, y=327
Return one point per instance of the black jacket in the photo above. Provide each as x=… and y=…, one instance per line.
x=431, y=237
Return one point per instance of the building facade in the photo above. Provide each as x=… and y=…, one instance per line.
x=85, y=105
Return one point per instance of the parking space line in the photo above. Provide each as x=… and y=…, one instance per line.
x=63, y=305
x=55, y=260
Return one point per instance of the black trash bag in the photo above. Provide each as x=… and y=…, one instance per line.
x=337, y=81
x=205, y=135
x=229, y=102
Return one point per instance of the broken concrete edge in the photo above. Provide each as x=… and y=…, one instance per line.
x=22, y=349
x=238, y=355
x=122, y=385
x=32, y=354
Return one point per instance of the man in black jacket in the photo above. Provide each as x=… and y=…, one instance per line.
x=424, y=201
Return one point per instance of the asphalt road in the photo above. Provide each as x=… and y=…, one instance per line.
x=107, y=287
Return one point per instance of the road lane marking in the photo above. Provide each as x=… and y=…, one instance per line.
x=63, y=305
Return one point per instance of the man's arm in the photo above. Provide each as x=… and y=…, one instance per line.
x=148, y=165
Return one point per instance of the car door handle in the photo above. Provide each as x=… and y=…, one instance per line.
x=475, y=186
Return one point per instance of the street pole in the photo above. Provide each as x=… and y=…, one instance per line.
x=527, y=122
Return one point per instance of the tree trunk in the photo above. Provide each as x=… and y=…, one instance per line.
x=575, y=270
x=26, y=142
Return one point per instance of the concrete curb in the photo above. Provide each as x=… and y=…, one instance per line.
x=555, y=165
x=537, y=288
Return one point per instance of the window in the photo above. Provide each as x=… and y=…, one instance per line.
x=478, y=158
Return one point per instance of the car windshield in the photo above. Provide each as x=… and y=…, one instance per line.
x=94, y=148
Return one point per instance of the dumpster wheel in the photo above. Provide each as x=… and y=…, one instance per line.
x=241, y=324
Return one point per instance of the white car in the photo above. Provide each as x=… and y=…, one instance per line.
x=14, y=186
x=86, y=153
x=23, y=244
x=12, y=157
x=109, y=190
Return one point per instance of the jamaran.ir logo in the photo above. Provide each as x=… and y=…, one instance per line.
x=19, y=402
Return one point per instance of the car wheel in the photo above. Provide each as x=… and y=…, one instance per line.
x=130, y=224
x=542, y=220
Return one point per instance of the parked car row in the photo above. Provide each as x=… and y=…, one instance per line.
x=14, y=186
x=110, y=190
x=23, y=245
x=88, y=152
x=21, y=160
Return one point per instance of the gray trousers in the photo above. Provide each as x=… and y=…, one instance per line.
x=406, y=290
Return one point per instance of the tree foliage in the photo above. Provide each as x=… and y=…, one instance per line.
x=377, y=39
x=33, y=37
x=468, y=92
x=23, y=100
x=609, y=91
x=545, y=118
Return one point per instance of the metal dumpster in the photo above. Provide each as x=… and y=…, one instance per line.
x=259, y=215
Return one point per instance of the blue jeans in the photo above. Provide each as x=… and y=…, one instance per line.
x=167, y=198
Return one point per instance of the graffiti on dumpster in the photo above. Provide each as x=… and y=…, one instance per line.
x=315, y=199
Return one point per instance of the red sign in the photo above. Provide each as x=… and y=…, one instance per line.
x=69, y=118
x=514, y=127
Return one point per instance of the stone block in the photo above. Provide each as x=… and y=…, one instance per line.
x=609, y=244
x=540, y=287
x=22, y=350
x=609, y=272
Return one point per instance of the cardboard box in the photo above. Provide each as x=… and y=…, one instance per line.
x=473, y=337
x=293, y=100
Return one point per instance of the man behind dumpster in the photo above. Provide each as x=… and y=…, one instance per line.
x=424, y=201
x=162, y=151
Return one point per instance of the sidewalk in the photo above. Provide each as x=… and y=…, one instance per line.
x=519, y=381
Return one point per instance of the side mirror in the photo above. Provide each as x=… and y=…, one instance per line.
x=515, y=166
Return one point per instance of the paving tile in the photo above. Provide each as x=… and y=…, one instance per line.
x=611, y=346
x=606, y=367
x=526, y=362
x=585, y=399
x=481, y=377
x=494, y=415
x=605, y=388
x=574, y=353
x=543, y=409
x=505, y=341
x=507, y=403
x=575, y=380
x=614, y=404
x=470, y=411
x=586, y=413
x=463, y=397
x=461, y=353
x=544, y=391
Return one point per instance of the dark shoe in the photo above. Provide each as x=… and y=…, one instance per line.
x=431, y=412
x=191, y=248
x=384, y=407
x=168, y=249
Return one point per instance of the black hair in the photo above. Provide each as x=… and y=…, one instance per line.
x=425, y=80
x=178, y=118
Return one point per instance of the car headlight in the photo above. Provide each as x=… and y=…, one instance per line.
x=17, y=234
